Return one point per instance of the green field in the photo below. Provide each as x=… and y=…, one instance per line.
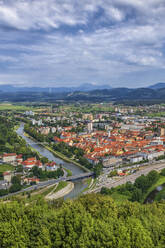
x=119, y=197
x=6, y=167
x=89, y=183
x=159, y=114
x=60, y=186
x=9, y=106
x=69, y=173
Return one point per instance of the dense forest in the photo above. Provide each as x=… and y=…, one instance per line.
x=92, y=221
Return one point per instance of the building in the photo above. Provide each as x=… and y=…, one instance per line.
x=9, y=157
x=150, y=155
x=53, y=130
x=7, y=175
x=111, y=161
x=29, y=113
x=45, y=130
x=31, y=180
x=29, y=163
x=19, y=159
x=156, y=141
x=52, y=166
x=162, y=131
x=4, y=184
x=90, y=127
x=136, y=158
x=88, y=117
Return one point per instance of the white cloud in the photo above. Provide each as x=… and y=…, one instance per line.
x=41, y=14
x=126, y=36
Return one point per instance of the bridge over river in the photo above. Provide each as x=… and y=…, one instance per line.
x=51, y=182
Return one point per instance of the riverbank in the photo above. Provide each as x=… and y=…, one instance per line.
x=90, y=182
x=160, y=195
x=66, y=159
x=160, y=181
x=59, y=155
x=74, y=169
x=61, y=192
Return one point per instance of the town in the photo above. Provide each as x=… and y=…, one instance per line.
x=112, y=141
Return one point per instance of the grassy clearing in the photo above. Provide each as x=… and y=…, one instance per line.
x=9, y=106
x=35, y=195
x=6, y=167
x=160, y=114
x=88, y=181
x=69, y=173
x=119, y=197
x=60, y=186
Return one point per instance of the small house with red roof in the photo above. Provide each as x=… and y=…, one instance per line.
x=31, y=180
x=52, y=166
x=9, y=157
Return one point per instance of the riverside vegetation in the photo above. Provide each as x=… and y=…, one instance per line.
x=74, y=153
x=10, y=142
x=139, y=190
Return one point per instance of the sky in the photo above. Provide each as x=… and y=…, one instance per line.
x=71, y=42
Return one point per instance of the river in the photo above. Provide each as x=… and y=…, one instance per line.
x=79, y=186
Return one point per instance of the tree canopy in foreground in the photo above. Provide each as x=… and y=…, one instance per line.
x=93, y=221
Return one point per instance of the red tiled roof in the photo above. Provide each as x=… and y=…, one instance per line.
x=9, y=154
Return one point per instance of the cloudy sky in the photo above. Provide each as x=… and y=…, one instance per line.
x=70, y=42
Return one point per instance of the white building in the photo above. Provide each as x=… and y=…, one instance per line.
x=29, y=113
x=90, y=127
x=53, y=130
x=153, y=154
x=9, y=157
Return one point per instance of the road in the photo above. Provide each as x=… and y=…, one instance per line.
x=50, y=182
x=109, y=183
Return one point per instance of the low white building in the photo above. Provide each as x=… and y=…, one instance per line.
x=9, y=157
x=156, y=141
x=153, y=154
x=7, y=175
x=111, y=161
x=136, y=158
x=51, y=166
x=53, y=130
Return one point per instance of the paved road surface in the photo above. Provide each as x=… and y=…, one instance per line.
x=50, y=182
x=129, y=178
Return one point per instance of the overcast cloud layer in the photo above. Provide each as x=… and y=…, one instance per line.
x=69, y=42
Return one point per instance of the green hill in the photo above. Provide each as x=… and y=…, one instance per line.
x=92, y=221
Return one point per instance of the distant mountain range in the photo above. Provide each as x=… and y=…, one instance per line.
x=157, y=86
x=84, y=87
x=86, y=93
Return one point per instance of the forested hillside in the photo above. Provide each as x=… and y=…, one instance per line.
x=91, y=221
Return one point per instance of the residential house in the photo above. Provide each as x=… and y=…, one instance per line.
x=9, y=157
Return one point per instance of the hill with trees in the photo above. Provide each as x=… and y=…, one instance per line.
x=92, y=221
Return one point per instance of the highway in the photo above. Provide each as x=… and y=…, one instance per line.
x=109, y=183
